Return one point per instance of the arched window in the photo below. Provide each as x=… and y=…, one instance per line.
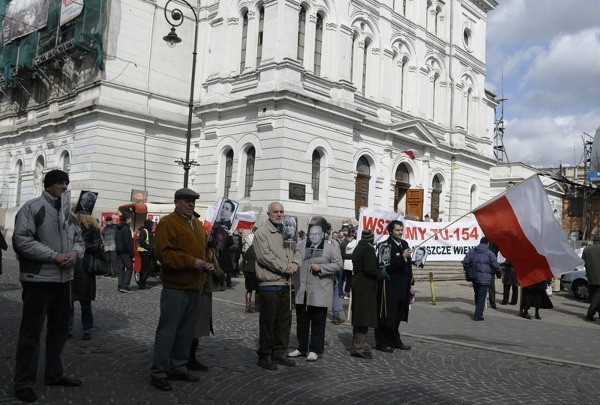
x=402, y=174
x=250, y=158
x=261, y=23
x=436, y=191
x=402, y=177
x=434, y=86
x=403, y=74
x=473, y=199
x=364, y=73
x=404, y=8
x=468, y=109
x=438, y=18
x=19, y=173
x=354, y=39
x=361, y=193
x=318, y=44
x=428, y=15
x=316, y=174
x=65, y=161
x=301, y=33
x=228, y=172
x=244, y=41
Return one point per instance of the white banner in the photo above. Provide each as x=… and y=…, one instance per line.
x=69, y=10
x=444, y=241
x=23, y=17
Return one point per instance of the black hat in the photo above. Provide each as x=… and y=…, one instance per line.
x=368, y=236
x=108, y=219
x=55, y=176
x=186, y=194
x=124, y=217
x=484, y=240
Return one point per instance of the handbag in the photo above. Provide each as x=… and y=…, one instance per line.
x=96, y=265
x=470, y=272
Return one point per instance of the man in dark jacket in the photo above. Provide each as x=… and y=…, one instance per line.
x=145, y=249
x=124, y=246
x=394, y=289
x=364, y=293
x=487, y=266
x=591, y=257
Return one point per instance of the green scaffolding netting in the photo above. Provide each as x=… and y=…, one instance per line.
x=84, y=32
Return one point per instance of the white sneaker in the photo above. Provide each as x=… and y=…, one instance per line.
x=312, y=356
x=295, y=353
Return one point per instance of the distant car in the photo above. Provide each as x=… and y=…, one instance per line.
x=576, y=282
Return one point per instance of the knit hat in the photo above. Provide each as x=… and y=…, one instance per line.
x=55, y=176
x=368, y=236
x=484, y=240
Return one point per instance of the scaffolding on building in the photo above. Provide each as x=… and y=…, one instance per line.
x=500, y=154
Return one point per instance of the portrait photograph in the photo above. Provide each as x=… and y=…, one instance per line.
x=226, y=210
x=383, y=254
x=290, y=226
x=419, y=257
x=86, y=202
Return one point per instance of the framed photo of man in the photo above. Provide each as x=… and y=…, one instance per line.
x=290, y=227
x=86, y=202
x=384, y=253
x=225, y=213
x=419, y=257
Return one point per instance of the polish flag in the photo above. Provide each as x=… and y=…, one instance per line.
x=243, y=220
x=411, y=153
x=522, y=224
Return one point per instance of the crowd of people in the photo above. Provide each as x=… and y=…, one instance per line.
x=307, y=273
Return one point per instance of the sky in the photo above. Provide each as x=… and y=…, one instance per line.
x=543, y=56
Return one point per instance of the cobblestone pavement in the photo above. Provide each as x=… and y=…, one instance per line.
x=505, y=359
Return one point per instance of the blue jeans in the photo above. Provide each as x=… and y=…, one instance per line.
x=87, y=319
x=335, y=304
x=480, y=291
x=340, y=284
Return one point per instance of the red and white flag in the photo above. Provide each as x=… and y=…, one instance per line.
x=243, y=220
x=522, y=224
x=411, y=153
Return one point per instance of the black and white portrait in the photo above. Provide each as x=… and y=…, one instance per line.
x=383, y=254
x=315, y=240
x=86, y=202
x=226, y=213
x=419, y=257
x=290, y=225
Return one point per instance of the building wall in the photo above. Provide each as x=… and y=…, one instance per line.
x=124, y=126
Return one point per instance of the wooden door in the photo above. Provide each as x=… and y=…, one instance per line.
x=361, y=194
x=435, y=204
x=414, y=202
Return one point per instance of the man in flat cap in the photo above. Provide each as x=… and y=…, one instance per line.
x=48, y=242
x=180, y=247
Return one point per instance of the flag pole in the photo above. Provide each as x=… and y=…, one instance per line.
x=478, y=207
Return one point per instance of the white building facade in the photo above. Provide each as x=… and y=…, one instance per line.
x=318, y=104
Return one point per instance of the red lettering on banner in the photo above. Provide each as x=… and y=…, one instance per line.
x=377, y=225
x=410, y=233
x=422, y=232
x=369, y=223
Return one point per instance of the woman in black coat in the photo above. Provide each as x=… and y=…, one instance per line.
x=364, y=293
x=535, y=296
x=510, y=282
x=84, y=281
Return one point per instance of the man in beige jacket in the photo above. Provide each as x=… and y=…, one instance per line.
x=275, y=263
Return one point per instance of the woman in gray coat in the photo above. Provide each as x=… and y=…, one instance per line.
x=313, y=286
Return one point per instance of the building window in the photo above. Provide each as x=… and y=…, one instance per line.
x=403, y=70
x=468, y=112
x=404, y=8
x=354, y=37
x=261, y=22
x=361, y=191
x=433, y=95
x=473, y=199
x=65, y=159
x=301, y=33
x=316, y=174
x=318, y=44
x=19, y=172
x=228, y=172
x=244, y=41
x=438, y=16
x=428, y=15
x=250, y=158
x=364, y=72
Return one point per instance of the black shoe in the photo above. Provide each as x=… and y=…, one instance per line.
x=537, y=316
x=526, y=316
x=284, y=361
x=183, y=377
x=66, y=382
x=26, y=395
x=493, y=306
x=86, y=336
x=478, y=318
x=162, y=384
x=402, y=346
x=267, y=363
x=362, y=355
x=195, y=365
x=590, y=318
x=386, y=349
x=504, y=303
x=512, y=303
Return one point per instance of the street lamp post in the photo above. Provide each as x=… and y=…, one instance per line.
x=175, y=19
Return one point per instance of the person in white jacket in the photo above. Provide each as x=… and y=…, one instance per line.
x=347, y=256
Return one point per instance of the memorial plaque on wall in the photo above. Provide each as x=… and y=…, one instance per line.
x=297, y=191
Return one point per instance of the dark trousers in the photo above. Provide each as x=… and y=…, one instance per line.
x=311, y=321
x=113, y=263
x=480, y=291
x=275, y=321
x=87, y=319
x=506, y=293
x=492, y=292
x=348, y=277
x=359, y=338
x=594, y=291
x=146, y=267
x=125, y=270
x=41, y=301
